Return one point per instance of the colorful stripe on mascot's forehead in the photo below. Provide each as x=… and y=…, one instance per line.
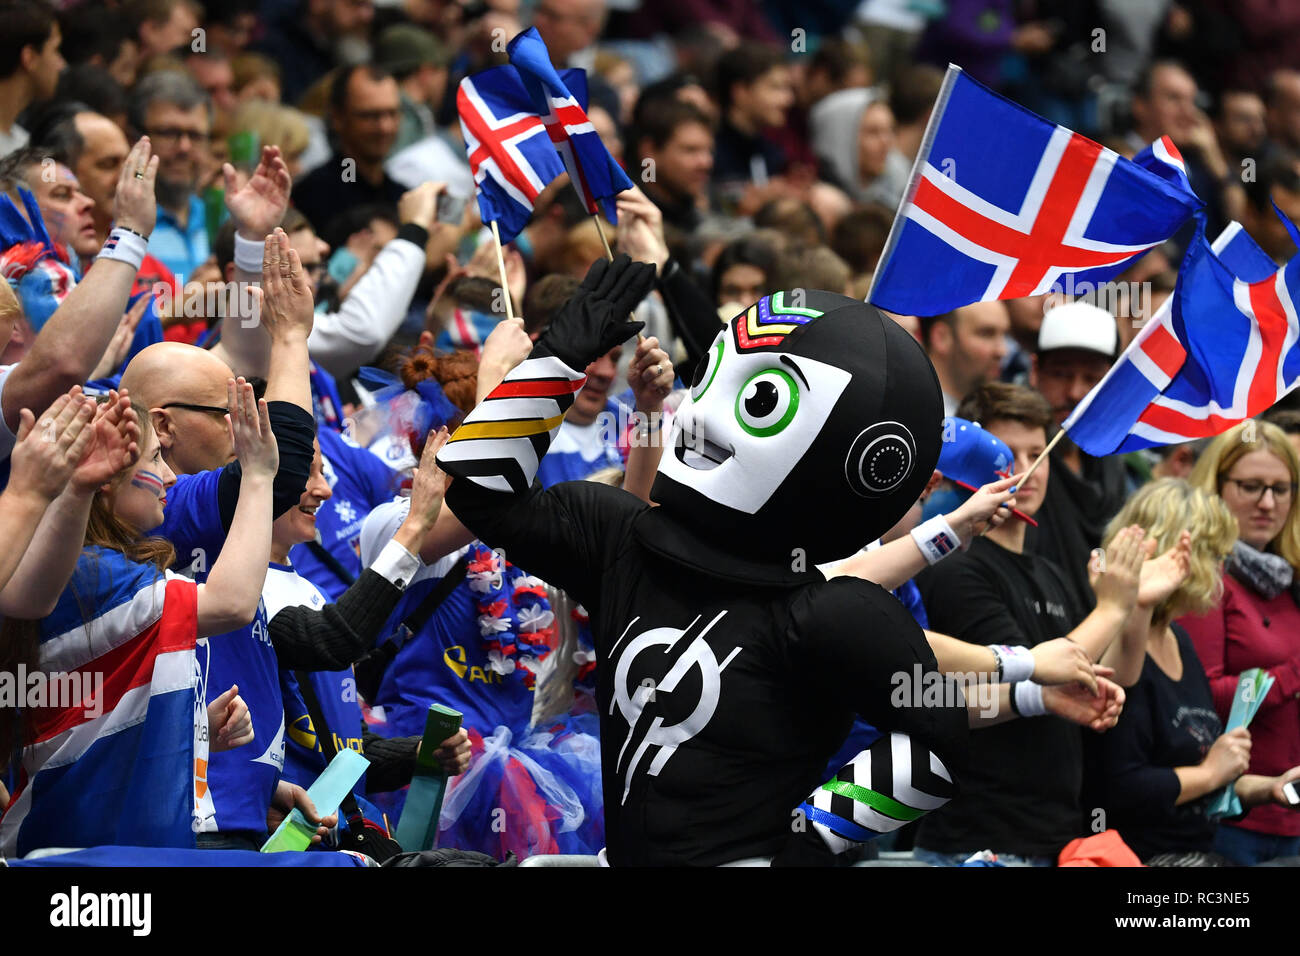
x=770, y=320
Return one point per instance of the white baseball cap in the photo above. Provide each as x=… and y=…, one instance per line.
x=1079, y=325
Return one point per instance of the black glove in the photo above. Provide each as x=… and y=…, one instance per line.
x=596, y=318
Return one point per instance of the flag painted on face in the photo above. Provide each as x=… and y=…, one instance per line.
x=1003, y=204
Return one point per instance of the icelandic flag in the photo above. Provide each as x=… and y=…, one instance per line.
x=592, y=170
x=1221, y=349
x=114, y=755
x=510, y=151
x=1002, y=204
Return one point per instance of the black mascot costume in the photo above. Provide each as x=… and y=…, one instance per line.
x=730, y=669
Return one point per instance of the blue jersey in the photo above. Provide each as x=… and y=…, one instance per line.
x=192, y=521
x=580, y=450
x=242, y=780
x=481, y=650
x=360, y=480
x=304, y=760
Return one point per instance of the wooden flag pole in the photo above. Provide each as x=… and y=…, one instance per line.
x=501, y=264
x=600, y=228
x=1046, y=451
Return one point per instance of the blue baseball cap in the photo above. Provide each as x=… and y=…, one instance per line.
x=970, y=457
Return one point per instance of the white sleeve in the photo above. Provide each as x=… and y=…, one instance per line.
x=380, y=526
x=377, y=532
x=374, y=309
x=7, y=438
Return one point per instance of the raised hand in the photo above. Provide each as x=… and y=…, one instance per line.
x=229, y=723
x=641, y=228
x=120, y=344
x=250, y=430
x=135, y=206
x=114, y=448
x=429, y=482
x=46, y=454
x=420, y=205
x=651, y=375
x=983, y=509
x=258, y=206
x=595, y=319
x=1063, y=662
x=284, y=301
x=1162, y=576
x=1117, y=571
x=506, y=346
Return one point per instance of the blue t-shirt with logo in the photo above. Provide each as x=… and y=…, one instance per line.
x=360, y=481
x=304, y=760
x=241, y=781
x=580, y=450
x=481, y=650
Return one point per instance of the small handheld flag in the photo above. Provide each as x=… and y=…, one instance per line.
x=595, y=174
x=510, y=151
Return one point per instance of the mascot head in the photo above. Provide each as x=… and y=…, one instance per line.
x=814, y=424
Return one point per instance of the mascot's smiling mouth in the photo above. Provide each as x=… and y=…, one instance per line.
x=700, y=453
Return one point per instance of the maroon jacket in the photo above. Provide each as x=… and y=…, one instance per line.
x=1246, y=631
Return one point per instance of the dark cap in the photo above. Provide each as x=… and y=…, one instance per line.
x=403, y=47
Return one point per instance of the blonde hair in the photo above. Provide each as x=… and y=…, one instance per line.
x=1229, y=448
x=274, y=125
x=10, y=308
x=248, y=67
x=1164, y=509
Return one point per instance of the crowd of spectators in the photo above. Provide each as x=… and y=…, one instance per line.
x=171, y=169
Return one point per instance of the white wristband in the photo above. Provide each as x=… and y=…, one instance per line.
x=248, y=255
x=125, y=245
x=396, y=565
x=935, y=539
x=1029, y=699
x=1017, y=663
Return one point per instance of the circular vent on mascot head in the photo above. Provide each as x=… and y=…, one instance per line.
x=880, y=459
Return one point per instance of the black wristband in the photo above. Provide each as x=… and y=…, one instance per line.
x=1014, y=709
x=414, y=232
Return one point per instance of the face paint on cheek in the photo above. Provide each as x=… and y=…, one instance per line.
x=148, y=481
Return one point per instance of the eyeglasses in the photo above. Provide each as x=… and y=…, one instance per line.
x=1255, y=489
x=197, y=408
x=170, y=134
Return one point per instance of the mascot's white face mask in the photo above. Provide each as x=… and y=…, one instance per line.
x=812, y=426
x=748, y=422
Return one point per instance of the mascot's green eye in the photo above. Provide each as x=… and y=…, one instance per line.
x=767, y=403
x=708, y=369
